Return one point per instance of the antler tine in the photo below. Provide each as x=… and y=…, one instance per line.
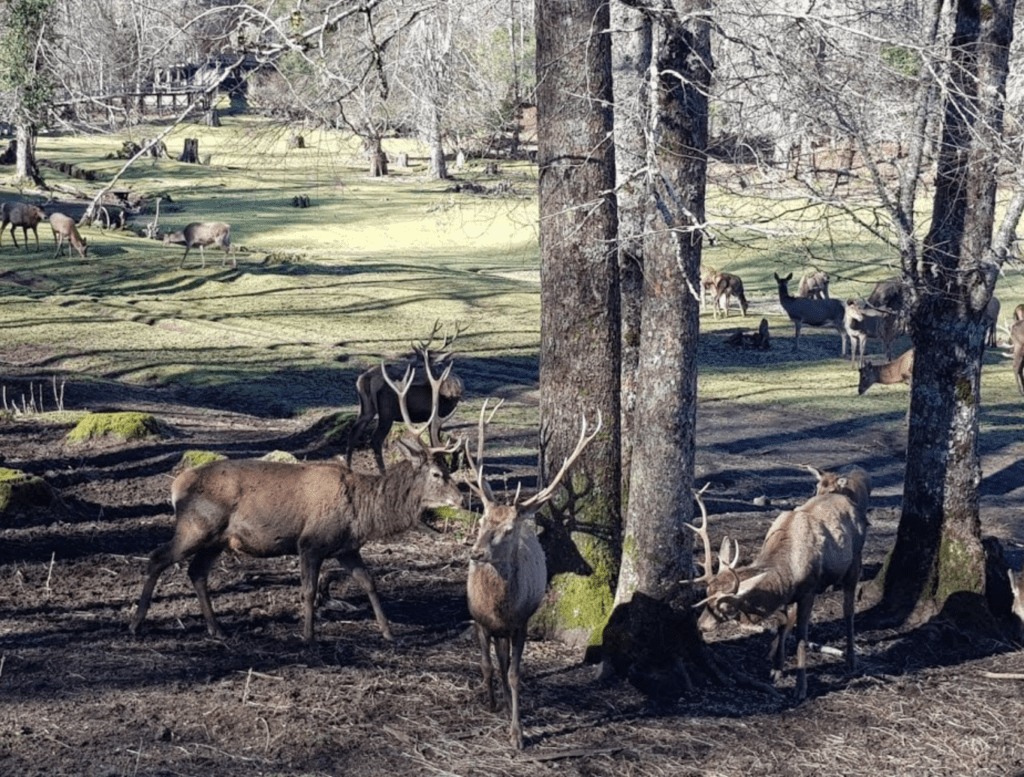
x=436, y=422
x=702, y=532
x=543, y=496
x=401, y=390
x=478, y=467
x=424, y=345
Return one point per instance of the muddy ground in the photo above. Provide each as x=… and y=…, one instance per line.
x=79, y=696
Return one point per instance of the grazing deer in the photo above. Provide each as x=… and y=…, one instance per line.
x=20, y=214
x=1017, y=341
x=204, y=234
x=64, y=229
x=890, y=296
x=811, y=312
x=861, y=323
x=806, y=551
x=313, y=510
x=378, y=400
x=709, y=278
x=726, y=287
x=814, y=285
x=508, y=574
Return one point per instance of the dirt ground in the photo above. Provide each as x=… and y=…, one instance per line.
x=79, y=696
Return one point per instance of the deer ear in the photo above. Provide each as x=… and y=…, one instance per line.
x=750, y=584
x=412, y=449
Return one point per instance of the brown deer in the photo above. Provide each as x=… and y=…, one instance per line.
x=806, y=551
x=313, y=510
x=811, y=312
x=899, y=370
x=508, y=574
x=727, y=286
x=1017, y=342
x=377, y=399
x=814, y=285
x=861, y=323
x=992, y=322
x=204, y=234
x=708, y=279
x=20, y=214
x=64, y=229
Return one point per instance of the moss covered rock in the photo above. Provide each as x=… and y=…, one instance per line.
x=21, y=492
x=123, y=426
x=193, y=458
x=279, y=456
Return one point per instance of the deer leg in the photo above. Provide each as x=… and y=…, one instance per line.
x=198, y=571
x=486, y=667
x=309, y=576
x=501, y=650
x=778, y=648
x=796, y=336
x=849, y=596
x=516, y=730
x=202, y=253
x=159, y=560
x=352, y=563
x=803, y=621
x=183, y=258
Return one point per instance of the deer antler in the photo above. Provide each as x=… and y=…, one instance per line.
x=702, y=532
x=424, y=345
x=481, y=488
x=543, y=496
x=401, y=390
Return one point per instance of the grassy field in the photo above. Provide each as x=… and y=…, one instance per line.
x=322, y=292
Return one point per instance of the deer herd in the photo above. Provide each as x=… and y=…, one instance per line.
x=326, y=509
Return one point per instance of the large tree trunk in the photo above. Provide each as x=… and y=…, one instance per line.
x=631, y=59
x=653, y=632
x=26, y=168
x=579, y=350
x=938, y=550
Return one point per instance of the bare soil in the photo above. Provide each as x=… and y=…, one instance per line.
x=79, y=696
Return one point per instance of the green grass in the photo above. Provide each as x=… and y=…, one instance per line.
x=323, y=292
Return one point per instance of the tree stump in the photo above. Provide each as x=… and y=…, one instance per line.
x=378, y=164
x=190, y=154
x=296, y=141
x=403, y=160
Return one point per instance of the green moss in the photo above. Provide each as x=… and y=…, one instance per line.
x=127, y=426
x=196, y=458
x=279, y=456
x=960, y=569
x=964, y=392
x=584, y=602
x=336, y=426
x=19, y=490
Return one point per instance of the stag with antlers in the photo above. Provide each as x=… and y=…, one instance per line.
x=508, y=573
x=377, y=397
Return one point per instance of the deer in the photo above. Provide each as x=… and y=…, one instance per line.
x=709, y=278
x=508, y=573
x=64, y=229
x=1018, y=313
x=726, y=287
x=898, y=370
x=313, y=510
x=861, y=323
x=20, y=214
x=811, y=312
x=814, y=285
x=378, y=400
x=204, y=234
x=1017, y=342
x=1017, y=608
x=992, y=322
x=890, y=296
x=807, y=550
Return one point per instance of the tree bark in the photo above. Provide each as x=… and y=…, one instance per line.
x=631, y=60
x=938, y=552
x=653, y=632
x=579, y=353
x=25, y=159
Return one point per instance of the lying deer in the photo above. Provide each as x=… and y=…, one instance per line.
x=727, y=286
x=204, y=234
x=313, y=510
x=20, y=214
x=378, y=400
x=806, y=551
x=64, y=229
x=811, y=312
x=860, y=323
x=508, y=574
